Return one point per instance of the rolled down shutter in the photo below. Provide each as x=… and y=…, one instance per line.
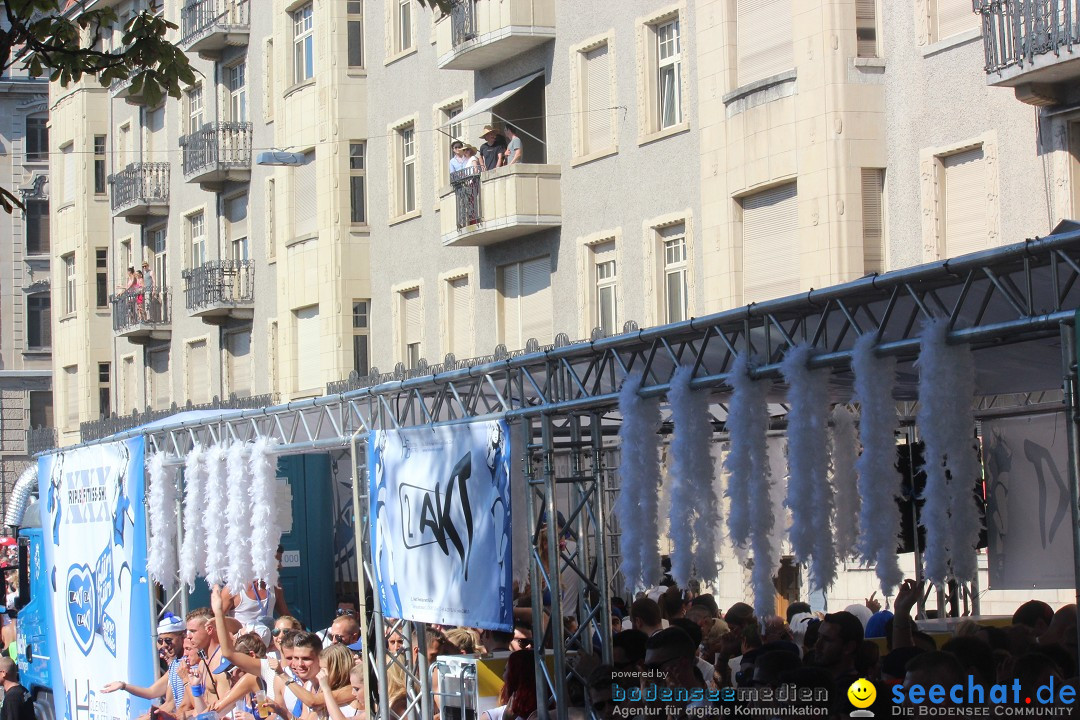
x=765, y=39
x=873, y=221
x=159, y=377
x=71, y=394
x=598, y=99
x=771, y=252
x=536, y=300
x=412, y=316
x=308, y=348
x=866, y=28
x=510, y=304
x=955, y=17
x=198, y=372
x=460, y=317
x=305, y=207
x=965, y=202
x=236, y=212
x=238, y=347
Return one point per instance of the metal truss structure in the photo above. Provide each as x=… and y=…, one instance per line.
x=564, y=400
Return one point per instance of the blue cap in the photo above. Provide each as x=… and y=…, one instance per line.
x=225, y=665
x=357, y=646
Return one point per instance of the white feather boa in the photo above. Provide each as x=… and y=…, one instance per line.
x=879, y=480
x=751, y=517
x=845, y=480
x=810, y=494
x=946, y=389
x=266, y=517
x=215, y=518
x=161, y=555
x=640, y=484
x=239, y=572
x=193, y=552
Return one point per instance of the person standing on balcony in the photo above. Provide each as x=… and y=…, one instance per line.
x=513, y=147
x=148, y=284
x=458, y=161
x=491, y=152
x=140, y=296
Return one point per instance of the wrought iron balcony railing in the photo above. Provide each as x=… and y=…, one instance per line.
x=135, y=308
x=219, y=282
x=199, y=18
x=97, y=429
x=218, y=146
x=40, y=439
x=466, y=184
x=1016, y=31
x=140, y=184
x=463, y=19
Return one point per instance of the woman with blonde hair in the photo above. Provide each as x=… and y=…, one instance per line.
x=330, y=667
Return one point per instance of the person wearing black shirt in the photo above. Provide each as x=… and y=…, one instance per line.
x=492, y=150
x=17, y=703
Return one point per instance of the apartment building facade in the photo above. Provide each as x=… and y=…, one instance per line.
x=25, y=289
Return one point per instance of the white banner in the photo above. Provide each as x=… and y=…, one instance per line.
x=1027, y=516
x=440, y=524
x=95, y=554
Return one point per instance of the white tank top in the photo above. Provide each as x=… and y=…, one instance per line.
x=249, y=610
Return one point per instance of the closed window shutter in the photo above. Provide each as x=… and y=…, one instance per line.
x=955, y=17
x=510, y=290
x=155, y=126
x=69, y=174
x=764, y=36
x=771, y=262
x=238, y=347
x=536, y=300
x=159, y=377
x=305, y=209
x=130, y=401
x=598, y=100
x=411, y=315
x=866, y=28
x=71, y=394
x=460, y=317
x=308, y=348
x=965, y=202
x=198, y=373
x=236, y=212
x=873, y=221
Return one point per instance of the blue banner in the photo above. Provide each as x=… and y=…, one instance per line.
x=95, y=558
x=440, y=524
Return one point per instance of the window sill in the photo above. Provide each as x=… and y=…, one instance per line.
x=356, y=72
x=37, y=353
x=391, y=59
x=37, y=257
x=405, y=218
x=950, y=42
x=868, y=62
x=36, y=161
x=664, y=134
x=364, y=228
x=298, y=87
x=302, y=239
x=598, y=155
x=69, y=316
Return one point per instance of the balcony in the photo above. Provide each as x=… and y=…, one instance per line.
x=140, y=191
x=106, y=426
x=220, y=152
x=507, y=203
x=220, y=289
x=121, y=89
x=40, y=439
x=1031, y=46
x=142, y=317
x=481, y=34
x=207, y=27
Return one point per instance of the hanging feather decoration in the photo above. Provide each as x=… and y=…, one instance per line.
x=193, y=552
x=879, y=480
x=640, y=475
x=845, y=480
x=239, y=572
x=810, y=494
x=935, y=389
x=266, y=529
x=215, y=519
x=963, y=464
x=161, y=555
x=682, y=513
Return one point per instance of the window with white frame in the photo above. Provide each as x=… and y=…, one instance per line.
x=964, y=218
x=158, y=247
x=308, y=355
x=238, y=362
x=157, y=377
x=605, y=279
x=459, y=317
x=236, y=226
x=675, y=273
x=669, y=74
x=866, y=28
x=197, y=371
x=196, y=230
x=403, y=30
x=124, y=151
x=194, y=109
x=594, y=121
x=355, y=31
x=525, y=309
x=451, y=132
x=764, y=39
x=873, y=220
x=361, y=310
x=357, y=172
x=237, y=80
x=770, y=244
x=104, y=389
x=412, y=326
x=303, y=43
x=69, y=284
x=952, y=17
x=406, y=139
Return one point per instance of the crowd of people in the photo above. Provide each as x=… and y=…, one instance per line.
x=137, y=293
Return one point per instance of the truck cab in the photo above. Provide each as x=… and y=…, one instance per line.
x=35, y=641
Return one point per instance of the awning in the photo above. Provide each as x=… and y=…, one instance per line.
x=496, y=96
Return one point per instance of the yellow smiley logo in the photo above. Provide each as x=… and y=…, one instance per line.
x=862, y=693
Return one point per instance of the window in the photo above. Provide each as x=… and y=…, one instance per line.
x=305, y=199
x=459, y=321
x=357, y=204
x=100, y=168
x=669, y=81
x=676, y=293
x=37, y=227
x=964, y=219
x=197, y=239
x=69, y=284
x=128, y=400
x=237, y=78
x=412, y=326
x=269, y=61
x=125, y=258
x=360, y=311
x=157, y=376
x=41, y=409
x=37, y=139
x=303, y=44
x=271, y=220
x=873, y=235
x=194, y=110
x=158, y=240
x=308, y=354
x=403, y=25
x=407, y=177
x=525, y=302
x=449, y=132
x=68, y=153
x=355, y=32
x=71, y=395
x=198, y=372
x=101, y=277
x=156, y=147
x=104, y=389
x=866, y=28
x=953, y=17
x=122, y=145
x=594, y=124
x=770, y=244
x=238, y=362
x=764, y=36
x=605, y=277
x=236, y=227
x=38, y=322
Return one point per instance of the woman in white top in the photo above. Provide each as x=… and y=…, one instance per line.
x=355, y=708
x=256, y=601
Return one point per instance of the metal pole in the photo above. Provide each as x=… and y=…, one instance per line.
x=1068, y=371
x=423, y=671
x=553, y=560
x=600, y=531
x=360, y=542
x=535, y=576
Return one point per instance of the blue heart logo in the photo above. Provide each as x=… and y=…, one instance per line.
x=82, y=606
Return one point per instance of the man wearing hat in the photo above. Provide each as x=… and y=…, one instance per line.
x=170, y=639
x=491, y=152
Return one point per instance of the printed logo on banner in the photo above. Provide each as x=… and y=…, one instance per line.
x=429, y=514
x=82, y=606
